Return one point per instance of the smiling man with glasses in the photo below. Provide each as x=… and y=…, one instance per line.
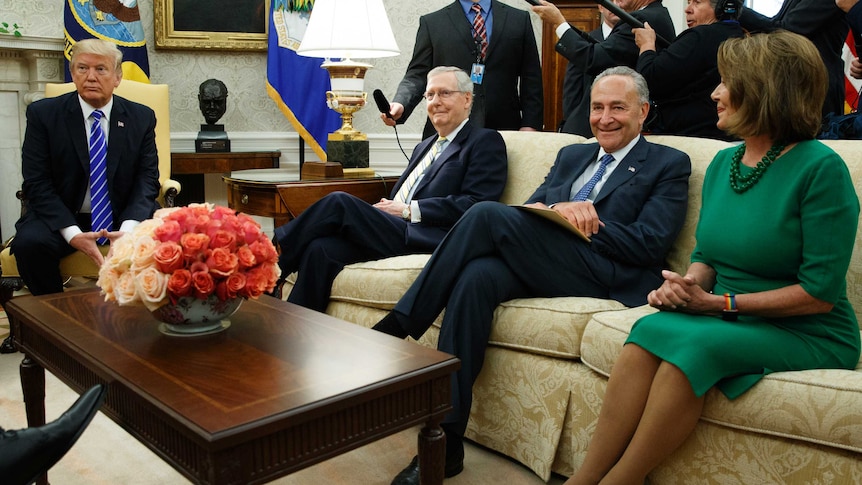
x=458, y=166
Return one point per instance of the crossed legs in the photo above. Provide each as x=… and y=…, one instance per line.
x=648, y=411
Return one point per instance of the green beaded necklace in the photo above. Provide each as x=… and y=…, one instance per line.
x=740, y=183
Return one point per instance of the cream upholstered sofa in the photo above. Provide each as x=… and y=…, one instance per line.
x=545, y=372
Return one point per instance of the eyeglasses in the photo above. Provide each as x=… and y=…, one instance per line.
x=443, y=94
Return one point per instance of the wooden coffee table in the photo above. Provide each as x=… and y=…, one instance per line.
x=281, y=389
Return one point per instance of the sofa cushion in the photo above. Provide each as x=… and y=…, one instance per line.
x=819, y=406
x=376, y=284
x=546, y=326
x=531, y=155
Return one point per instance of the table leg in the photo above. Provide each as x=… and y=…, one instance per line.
x=432, y=453
x=33, y=387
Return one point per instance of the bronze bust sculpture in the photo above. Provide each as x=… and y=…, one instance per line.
x=212, y=99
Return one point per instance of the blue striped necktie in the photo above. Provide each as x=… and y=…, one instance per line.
x=100, y=203
x=588, y=187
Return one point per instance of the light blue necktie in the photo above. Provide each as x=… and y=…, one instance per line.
x=588, y=187
x=100, y=203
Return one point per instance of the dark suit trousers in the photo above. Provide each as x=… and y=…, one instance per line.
x=493, y=254
x=338, y=230
x=38, y=251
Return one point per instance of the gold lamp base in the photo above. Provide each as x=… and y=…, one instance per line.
x=347, y=96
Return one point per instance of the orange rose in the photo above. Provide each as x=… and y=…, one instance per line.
x=222, y=262
x=194, y=245
x=230, y=286
x=180, y=284
x=168, y=257
x=203, y=284
x=223, y=239
x=246, y=257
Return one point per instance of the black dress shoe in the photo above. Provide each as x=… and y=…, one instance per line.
x=410, y=475
x=28, y=453
x=8, y=346
x=390, y=326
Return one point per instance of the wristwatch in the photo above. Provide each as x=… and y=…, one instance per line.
x=729, y=312
x=405, y=214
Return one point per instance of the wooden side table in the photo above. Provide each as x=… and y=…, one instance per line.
x=189, y=168
x=267, y=194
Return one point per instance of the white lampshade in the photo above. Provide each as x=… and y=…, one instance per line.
x=348, y=29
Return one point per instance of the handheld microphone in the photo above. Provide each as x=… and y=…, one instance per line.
x=384, y=107
x=627, y=18
x=382, y=103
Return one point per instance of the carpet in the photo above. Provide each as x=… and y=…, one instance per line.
x=106, y=454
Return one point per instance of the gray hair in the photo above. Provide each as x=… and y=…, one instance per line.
x=465, y=85
x=637, y=79
x=98, y=47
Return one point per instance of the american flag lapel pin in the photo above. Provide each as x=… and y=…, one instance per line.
x=631, y=169
x=121, y=124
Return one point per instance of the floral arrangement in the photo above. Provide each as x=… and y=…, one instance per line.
x=195, y=251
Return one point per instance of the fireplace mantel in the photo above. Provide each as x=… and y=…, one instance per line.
x=26, y=65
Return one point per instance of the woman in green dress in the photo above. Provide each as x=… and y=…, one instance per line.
x=765, y=291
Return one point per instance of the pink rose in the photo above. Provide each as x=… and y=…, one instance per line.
x=168, y=231
x=168, y=257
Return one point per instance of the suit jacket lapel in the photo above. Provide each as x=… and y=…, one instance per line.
x=418, y=154
x=500, y=17
x=626, y=169
x=77, y=132
x=462, y=26
x=116, y=136
x=565, y=190
x=451, y=151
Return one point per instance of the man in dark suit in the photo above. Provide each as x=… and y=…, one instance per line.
x=508, y=85
x=449, y=172
x=576, y=83
x=618, y=49
x=56, y=164
x=631, y=207
x=824, y=24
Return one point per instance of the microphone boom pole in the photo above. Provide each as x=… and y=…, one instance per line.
x=627, y=18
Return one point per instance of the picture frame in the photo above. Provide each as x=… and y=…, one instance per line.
x=225, y=25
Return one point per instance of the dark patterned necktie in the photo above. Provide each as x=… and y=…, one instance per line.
x=588, y=187
x=481, y=34
x=100, y=203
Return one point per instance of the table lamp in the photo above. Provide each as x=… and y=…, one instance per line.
x=348, y=29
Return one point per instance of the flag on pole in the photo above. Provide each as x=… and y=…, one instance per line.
x=296, y=83
x=117, y=21
x=851, y=84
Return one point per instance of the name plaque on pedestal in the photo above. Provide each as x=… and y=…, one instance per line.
x=212, y=139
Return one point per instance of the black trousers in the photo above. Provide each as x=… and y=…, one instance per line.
x=493, y=254
x=38, y=251
x=338, y=230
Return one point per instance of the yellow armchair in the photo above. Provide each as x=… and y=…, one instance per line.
x=78, y=264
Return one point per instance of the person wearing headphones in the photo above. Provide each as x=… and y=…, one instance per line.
x=682, y=76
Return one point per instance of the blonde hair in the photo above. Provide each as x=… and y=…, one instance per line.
x=98, y=47
x=777, y=82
